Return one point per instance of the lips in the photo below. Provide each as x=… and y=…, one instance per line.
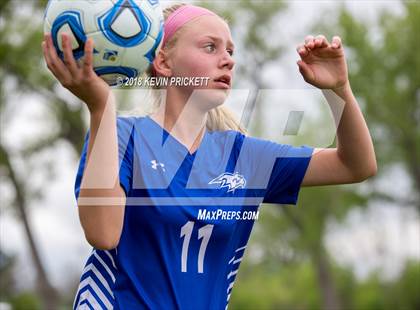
x=225, y=79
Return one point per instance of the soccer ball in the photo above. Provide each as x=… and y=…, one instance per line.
x=127, y=33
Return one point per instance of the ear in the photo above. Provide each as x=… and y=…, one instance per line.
x=162, y=65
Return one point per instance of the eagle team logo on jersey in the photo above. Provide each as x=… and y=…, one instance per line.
x=229, y=180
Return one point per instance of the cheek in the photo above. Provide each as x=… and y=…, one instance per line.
x=195, y=64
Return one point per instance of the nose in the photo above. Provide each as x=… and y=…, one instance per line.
x=227, y=61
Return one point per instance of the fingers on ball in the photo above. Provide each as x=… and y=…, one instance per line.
x=88, y=59
x=69, y=60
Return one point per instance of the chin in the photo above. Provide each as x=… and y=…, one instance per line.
x=212, y=98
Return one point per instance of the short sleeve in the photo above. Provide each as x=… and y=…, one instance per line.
x=287, y=174
x=273, y=169
x=125, y=134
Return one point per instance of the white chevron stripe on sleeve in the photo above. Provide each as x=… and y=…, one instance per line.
x=231, y=260
x=230, y=286
x=89, y=282
x=105, y=266
x=241, y=248
x=86, y=295
x=110, y=256
x=232, y=273
x=237, y=260
x=85, y=305
x=100, y=277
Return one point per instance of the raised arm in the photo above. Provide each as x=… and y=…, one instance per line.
x=102, y=223
x=323, y=65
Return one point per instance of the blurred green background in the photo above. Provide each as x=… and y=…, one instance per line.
x=342, y=247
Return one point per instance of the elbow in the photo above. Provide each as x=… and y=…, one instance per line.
x=102, y=225
x=102, y=242
x=373, y=170
x=102, y=236
x=366, y=173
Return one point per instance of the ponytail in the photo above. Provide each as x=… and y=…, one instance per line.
x=221, y=118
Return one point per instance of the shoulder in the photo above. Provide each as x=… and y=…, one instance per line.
x=127, y=121
x=241, y=140
x=125, y=124
x=226, y=135
x=259, y=147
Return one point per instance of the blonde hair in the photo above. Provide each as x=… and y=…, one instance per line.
x=219, y=118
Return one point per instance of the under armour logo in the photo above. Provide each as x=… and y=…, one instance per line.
x=229, y=180
x=155, y=164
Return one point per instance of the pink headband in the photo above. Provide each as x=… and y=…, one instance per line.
x=180, y=17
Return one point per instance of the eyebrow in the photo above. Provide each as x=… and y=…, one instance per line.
x=219, y=40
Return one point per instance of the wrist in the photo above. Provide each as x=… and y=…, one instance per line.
x=97, y=104
x=343, y=91
x=96, y=114
x=103, y=106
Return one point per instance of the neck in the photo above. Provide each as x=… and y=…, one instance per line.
x=181, y=116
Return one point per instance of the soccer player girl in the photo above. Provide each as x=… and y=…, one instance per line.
x=161, y=198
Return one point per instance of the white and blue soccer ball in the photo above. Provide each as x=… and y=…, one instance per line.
x=127, y=34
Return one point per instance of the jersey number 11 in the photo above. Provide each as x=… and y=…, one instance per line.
x=204, y=233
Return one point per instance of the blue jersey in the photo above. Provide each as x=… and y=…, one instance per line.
x=188, y=217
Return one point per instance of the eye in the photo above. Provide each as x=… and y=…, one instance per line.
x=230, y=52
x=211, y=47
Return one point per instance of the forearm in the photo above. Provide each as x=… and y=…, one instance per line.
x=101, y=200
x=354, y=143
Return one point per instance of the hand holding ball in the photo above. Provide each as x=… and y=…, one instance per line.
x=126, y=33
